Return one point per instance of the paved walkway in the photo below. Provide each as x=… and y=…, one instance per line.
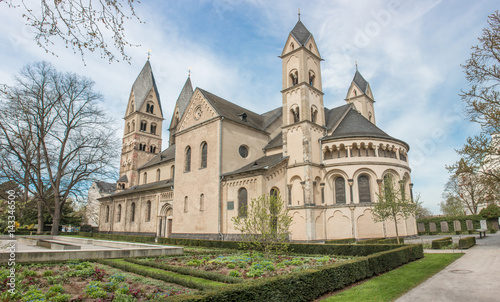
x=473, y=277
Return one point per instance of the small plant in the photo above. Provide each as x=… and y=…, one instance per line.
x=235, y=273
x=54, y=290
x=252, y=273
x=296, y=262
x=60, y=298
x=94, y=290
x=117, y=278
x=98, y=274
x=33, y=295
x=242, y=264
x=48, y=273
x=231, y=265
x=123, y=298
x=29, y=273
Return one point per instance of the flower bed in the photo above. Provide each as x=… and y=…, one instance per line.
x=82, y=281
x=249, y=265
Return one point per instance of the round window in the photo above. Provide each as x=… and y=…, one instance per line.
x=243, y=151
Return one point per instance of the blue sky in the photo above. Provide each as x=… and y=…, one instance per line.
x=409, y=51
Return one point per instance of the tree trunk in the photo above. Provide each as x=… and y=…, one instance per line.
x=39, y=230
x=396, y=225
x=56, y=219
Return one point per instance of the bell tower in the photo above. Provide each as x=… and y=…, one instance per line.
x=303, y=120
x=143, y=125
x=360, y=94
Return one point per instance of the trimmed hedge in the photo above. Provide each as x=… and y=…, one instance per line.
x=187, y=281
x=466, y=242
x=440, y=243
x=307, y=285
x=300, y=248
x=341, y=241
x=451, y=226
x=187, y=271
x=381, y=241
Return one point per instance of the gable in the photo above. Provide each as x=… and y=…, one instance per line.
x=197, y=111
x=151, y=100
x=288, y=45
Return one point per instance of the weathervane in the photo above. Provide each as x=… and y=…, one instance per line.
x=356, y=65
x=189, y=71
x=149, y=54
x=299, y=13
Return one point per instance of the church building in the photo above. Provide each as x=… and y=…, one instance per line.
x=328, y=165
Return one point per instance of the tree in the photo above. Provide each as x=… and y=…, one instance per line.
x=81, y=25
x=481, y=153
x=69, y=132
x=265, y=227
x=467, y=187
x=492, y=211
x=422, y=211
x=393, y=204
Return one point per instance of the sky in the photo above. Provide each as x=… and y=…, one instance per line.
x=409, y=51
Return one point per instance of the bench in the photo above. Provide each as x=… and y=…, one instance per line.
x=482, y=232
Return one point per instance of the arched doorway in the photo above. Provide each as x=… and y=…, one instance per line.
x=165, y=221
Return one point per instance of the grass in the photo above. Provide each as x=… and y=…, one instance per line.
x=392, y=285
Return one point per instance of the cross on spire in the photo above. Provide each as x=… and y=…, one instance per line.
x=299, y=13
x=149, y=54
x=189, y=71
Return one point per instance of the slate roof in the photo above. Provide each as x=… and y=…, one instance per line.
x=333, y=116
x=277, y=141
x=300, y=33
x=360, y=82
x=141, y=188
x=234, y=112
x=143, y=84
x=271, y=116
x=263, y=163
x=356, y=125
x=185, y=96
x=162, y=157
x=124, y=178
x=106, y=186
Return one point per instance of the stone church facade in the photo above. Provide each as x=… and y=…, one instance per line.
x=327, y=164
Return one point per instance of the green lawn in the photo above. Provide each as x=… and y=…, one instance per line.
x=392, y=285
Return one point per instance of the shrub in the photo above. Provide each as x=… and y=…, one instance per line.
x=440, y=243
x=94, y=290
x=235, y=273
x=231, y=265
x=117, y=278
x=340, y=241
x=60, y=298
x=29, y=273
x=54, y=290
x=467, y=242
x=492, y=230
x=48, y=273
x=33, y=295
x=492, y=211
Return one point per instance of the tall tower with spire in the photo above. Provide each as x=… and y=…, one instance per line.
x=360, y=94
x=143, y=125
x=303, y=117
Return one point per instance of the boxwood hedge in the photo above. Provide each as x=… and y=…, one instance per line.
x=466, y=242
x=440, y=243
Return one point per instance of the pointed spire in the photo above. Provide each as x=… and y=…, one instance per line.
x=301, y=33
x=142, y=86
x=360, y=81
x=185, y=96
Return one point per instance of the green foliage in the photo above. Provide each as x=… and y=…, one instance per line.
x=231, y=265
x=48, y=273
x=60, y=298
x=492, y=211
x=266, y=226
x=235, y=273
x=466, y=242
x=54, y=290
x=94, y=290
x=309, y=284
x=187, y=271
x=123, y=298
x=380, y=241
x=440, y=243
x=29, y=273
x=33, y=295
x=450, y=219
x=340, y=241
x=393, y=204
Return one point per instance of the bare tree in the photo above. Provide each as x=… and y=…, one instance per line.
x=393, y=204
x=81, y=25
x=70, y=133
x=467, y=187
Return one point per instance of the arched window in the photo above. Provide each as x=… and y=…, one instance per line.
x=144, y=126
x=274, y=210
x=158, y=175
x=145, y=178
x=388, y=187
x=107, y=213
x=149, y=108
x=292, y=46
x=148, y=210
x=172, y=171
x=314, y=114
x=153, y=128
x=294, y=77
x=128, y=127
x=364, y=188
x=340, y=190
x=310, y=47
x=312, y=77
x=295, y=114
x=131, y=106
x=202, y=202
x=152, y=149
x=187, y=161
x=242, y=202
x=185, y=204
x=204, y=151
x=274, y=193
x=132, y=212
x=119, y=214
